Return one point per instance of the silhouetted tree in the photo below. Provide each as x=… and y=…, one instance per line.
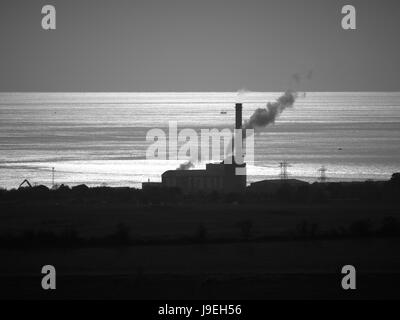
x=306, y=229
x=390, y=227
x=200, y=233
x=122, y=234
x=245, y=227
x=361, y=228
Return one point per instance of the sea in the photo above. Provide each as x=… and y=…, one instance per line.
x=99, y=139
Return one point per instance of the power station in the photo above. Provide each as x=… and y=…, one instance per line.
x=220, y=177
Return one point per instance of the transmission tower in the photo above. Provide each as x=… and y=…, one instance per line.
x=284, y=172
x=322, y=175
x=52, y=177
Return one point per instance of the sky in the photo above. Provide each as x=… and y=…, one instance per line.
x=207, y=45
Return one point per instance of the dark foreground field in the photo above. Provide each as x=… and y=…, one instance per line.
x=207, y=247
x=266, y=287
x=295, y=270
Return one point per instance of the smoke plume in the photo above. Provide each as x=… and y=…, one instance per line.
x=264, y=116
x=240, y=95
x=297, y=77
x=185, y=166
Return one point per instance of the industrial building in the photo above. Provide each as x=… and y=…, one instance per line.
x=217, y=177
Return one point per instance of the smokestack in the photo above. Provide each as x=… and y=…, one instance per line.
x=238, y=124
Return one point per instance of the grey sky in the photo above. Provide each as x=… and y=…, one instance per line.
x=207, y=45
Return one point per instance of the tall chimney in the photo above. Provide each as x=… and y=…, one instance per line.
x=238, y=108
x=237, y=152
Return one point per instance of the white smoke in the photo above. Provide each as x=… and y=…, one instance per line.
x=185, y=166
x=240, y=95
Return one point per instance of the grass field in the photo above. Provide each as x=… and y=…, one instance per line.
x=292, y=263
x=301, y=269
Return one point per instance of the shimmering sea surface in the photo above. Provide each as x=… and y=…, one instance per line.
x=100, y=138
